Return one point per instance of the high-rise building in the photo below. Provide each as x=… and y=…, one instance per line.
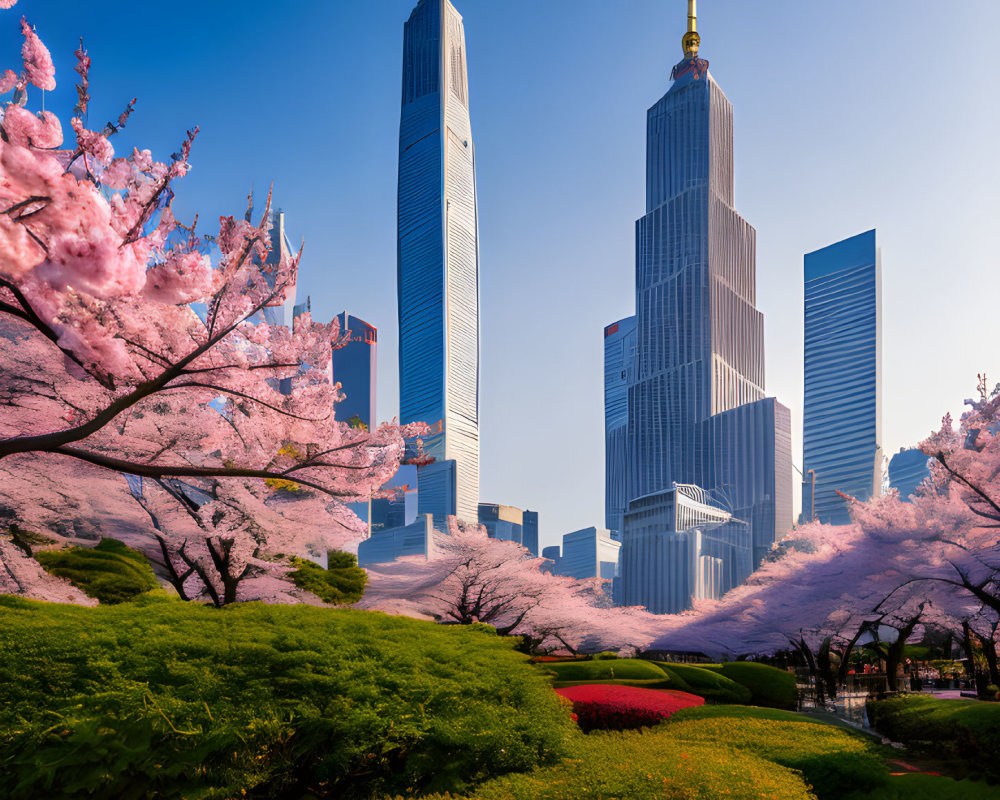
x=619, y=372
x=907, y=470
x=505, y=523
x=529, y=536
x=589, y=553
x=676, y=549
x=438, y=259
x=697, y=411
x=354, y=367
x=283, y=312
x=842, y=413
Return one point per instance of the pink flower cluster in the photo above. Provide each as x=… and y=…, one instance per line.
x=604, y=707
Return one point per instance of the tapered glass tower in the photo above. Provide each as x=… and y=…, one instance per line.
x=438, y=260
x=697, y=413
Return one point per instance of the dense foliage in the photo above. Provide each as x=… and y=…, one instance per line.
x=341, y=583
x=111, y=571
x=169, y=699
x=964, y=731
x=619, y=708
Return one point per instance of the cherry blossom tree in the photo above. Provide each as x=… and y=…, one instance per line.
x=134, y=344
x=473, y=578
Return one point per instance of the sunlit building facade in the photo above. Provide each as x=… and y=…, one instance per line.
x=697, y=410
x=438, y=258
x=842, y=412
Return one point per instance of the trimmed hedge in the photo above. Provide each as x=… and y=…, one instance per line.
x=342, y=583
x=160, y=698
x=916, y=786
x=601, y=669
x=965, y=731
x=713, y=686
x=661, y=683
x=111, y=571
x=834, y=761
x=769, y=686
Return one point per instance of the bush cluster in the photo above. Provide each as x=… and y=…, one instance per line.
x=619, y=708
x=341, y=583
x=159, y=698
x=111, y=571
x=964, y=731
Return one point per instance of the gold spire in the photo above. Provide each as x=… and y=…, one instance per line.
x=691, y=39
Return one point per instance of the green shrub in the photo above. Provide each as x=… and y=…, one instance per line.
x=171, y=700
x=832, y=760
x=965, y=731
x=616, y=669
x=713, y=686
x=769, y=686
x=916, y=786
x=341, y=583
x=111, y=572
x=648, y=765
x=604, y=655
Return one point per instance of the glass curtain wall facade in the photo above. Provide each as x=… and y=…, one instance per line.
x=697, y=412
x=842, y=413
x=438, y=256
x=619, y=372
x=355, y=367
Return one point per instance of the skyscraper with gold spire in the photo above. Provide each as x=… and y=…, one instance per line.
x=697, y=411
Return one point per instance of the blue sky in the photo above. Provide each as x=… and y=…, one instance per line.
x=849, y=115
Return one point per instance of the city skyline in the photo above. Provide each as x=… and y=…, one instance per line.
x=809, y=197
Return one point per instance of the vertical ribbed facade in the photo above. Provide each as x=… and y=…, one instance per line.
x=438, y=256
x=697, y=414
x=619, y=372
x=700, y=338
x=842, y=412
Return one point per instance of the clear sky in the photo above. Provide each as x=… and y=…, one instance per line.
x=850, y=114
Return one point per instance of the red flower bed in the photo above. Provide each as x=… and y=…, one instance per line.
x=604, y=707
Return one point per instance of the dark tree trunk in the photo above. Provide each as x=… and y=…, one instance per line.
x=826, y=670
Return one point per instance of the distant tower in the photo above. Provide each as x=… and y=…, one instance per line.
x=354, y=367
x=438, y=260
x=842, y=413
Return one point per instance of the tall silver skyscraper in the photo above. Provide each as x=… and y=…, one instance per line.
x=697, y=414
x=438, y=260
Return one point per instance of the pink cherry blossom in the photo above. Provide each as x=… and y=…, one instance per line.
x=37, y=61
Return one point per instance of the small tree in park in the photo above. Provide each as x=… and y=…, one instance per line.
x=473, y=578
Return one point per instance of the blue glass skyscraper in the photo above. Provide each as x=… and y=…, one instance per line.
x=619, y=372
x=354, y=367
x=697, y=413
x=438, y=260
x=842, y=413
